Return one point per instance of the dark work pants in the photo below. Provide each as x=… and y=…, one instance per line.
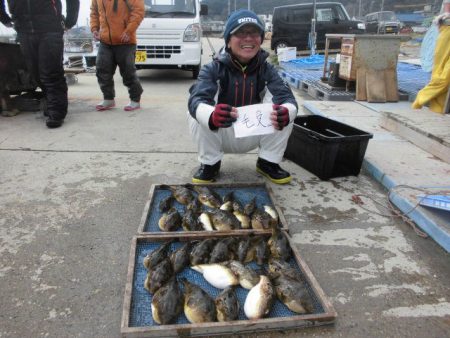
x=44, y=53
x=108, y=58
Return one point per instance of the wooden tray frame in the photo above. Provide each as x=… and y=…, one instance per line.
x=170, y=234
x=223, y=328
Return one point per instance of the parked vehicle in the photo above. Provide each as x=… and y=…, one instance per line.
x=291, y=24
x=169, y=37
x=382, y=23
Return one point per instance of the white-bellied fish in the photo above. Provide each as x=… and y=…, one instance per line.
x=205, y=220
x=279, y=245
x=217, y=275
x=259, y=299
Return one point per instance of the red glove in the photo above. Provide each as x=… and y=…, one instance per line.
x=282, y=116
x=221, y=116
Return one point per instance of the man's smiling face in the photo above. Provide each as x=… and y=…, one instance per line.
x=245, y=43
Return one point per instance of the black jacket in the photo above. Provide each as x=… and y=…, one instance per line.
x=224, y=81
x=38, y=16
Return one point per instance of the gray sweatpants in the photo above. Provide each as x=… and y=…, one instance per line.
x=212, y=145
x=108, y=58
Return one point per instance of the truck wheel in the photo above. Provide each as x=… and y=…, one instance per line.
x=196, y=71
x=280, y=44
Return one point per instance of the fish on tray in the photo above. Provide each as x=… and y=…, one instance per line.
x=293, y=293
x=166, y=203
x=227, y=305
x=158, y=276
x=223, y=220
x=156, y=256
x=223, y=250
x=181, y=193
x=167, y=303
x=248, y=277
x=170, y=220
x=218, y=275
x=279, y=245
x=259, y=299
x=200, y=252
x=207, y=196
x=199, y=307
x=180, y=257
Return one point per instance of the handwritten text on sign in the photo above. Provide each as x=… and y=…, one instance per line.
x=254, y=120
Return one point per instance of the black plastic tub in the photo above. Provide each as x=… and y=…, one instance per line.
x=327, y=148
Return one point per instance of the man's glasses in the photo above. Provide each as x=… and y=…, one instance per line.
x=242, y=33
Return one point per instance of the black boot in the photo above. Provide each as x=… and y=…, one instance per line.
x=206, y=173
x=272, y=171
x=54, y=123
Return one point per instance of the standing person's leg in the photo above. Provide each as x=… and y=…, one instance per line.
x=29, y=45
x=105, y=68
x=125, y=55
x=51, y=72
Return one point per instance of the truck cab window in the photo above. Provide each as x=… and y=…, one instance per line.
x=324, y=14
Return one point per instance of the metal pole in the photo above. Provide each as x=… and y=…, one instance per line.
x=249, y=6
x=235, y=5
x=229, y=7
x=359, y=11
x=313, y=30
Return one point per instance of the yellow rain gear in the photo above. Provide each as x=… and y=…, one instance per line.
x=435, y=92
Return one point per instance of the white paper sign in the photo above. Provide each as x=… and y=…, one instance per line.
x=253, y=120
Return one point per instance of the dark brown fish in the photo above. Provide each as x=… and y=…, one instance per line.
x=277, y=266
x=261, y=220
x=293, y=294
x=199, y=307
x=170, y=221
x=242, y=248
x=261, y=251
x=167, y=303
x=248, y=277
x=201, y=251
x=181, y=193
x=227, y=305
x=249, y=208
x=180, y=257
x=158, y=276
x=223, y=220
x=279, y=245
x=207, y=196
x=156, y=256
x=190, y=221
x=223, y=250
x=166, y=203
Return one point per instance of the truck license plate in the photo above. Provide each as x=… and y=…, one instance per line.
x=141, y=56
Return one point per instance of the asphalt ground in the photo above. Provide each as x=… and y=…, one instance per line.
x=71, y=199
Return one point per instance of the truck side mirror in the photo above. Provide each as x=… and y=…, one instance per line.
x=203, y=9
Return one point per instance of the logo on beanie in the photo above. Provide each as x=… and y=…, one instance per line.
x=248, y=19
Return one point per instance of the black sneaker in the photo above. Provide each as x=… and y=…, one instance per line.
x=54, y=123
x=206, y=173
x=272, y=171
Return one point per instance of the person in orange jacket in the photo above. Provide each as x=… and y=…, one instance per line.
x=114, y=24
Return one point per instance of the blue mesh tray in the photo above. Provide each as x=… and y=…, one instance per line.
x=137, y=316
x=242, y=192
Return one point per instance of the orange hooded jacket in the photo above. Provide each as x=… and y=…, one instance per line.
x=111, y=18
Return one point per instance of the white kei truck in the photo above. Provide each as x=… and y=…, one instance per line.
x=169, y=37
